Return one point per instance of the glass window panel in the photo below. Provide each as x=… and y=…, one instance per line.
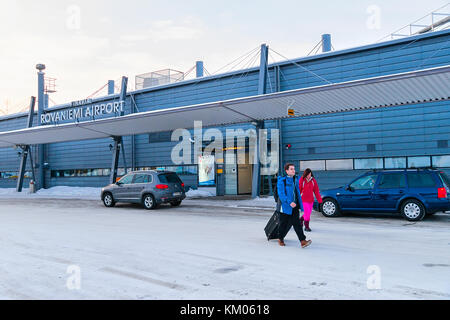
x=420, y=180
x=312, y=164
x=127, y=179
x=392, y=180
x=395, y=163
x=418, y=162
x=140, y=178
x=83, y=172
x=370, y=163
x=441, y=161
x=445, y=178
x=341, y=164
x=168, y=178
x=364, y=183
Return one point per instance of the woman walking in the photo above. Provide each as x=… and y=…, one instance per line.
x=308, y=188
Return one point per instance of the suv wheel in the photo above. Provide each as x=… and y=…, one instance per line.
x=413, y=210
x=330, y=208
x=108, y=200
x=175, y=203
x=148, y=201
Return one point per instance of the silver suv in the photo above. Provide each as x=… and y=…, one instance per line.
x=149, y=188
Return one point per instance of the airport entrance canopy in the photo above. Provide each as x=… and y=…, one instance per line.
x=412, y=87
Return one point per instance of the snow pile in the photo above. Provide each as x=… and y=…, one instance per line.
x=70, y=192
x=198, y=194
x=61, y=192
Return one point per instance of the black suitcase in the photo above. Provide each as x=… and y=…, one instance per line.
x=272, y=226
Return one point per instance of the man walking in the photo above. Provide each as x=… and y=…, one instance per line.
x=290, y=206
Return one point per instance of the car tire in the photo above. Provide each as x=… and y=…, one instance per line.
x=175, y=203
x=413, y=210
x=148, y=201
x=330, y=208
x=108, y=200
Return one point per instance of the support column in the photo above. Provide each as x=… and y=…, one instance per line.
x=199, y=69
x=41, y=102
x=26, y=150
x=256, y=183
x=110, y=86
x=279, y=122
x=123, y=157
x=118, y=141
x=45, y=101
x=115, y=159
x=263, y=69
x=123, y=93
x=326, y=42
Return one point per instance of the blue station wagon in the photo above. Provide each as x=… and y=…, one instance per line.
x=413, y=193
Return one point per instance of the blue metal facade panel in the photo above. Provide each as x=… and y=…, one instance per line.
x=408, y=130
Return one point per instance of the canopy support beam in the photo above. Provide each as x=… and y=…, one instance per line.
x=115, y=159
x=26, y=150
x=256, y=183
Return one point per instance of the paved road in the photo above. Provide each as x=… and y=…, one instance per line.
x=200, y=252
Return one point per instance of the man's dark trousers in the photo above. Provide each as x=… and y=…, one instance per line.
x=287, y=221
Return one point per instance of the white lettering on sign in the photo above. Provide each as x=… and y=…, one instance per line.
x=116, y=107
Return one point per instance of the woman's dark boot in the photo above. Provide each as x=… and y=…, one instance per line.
x=307, y=226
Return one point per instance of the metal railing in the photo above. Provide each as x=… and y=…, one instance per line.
x=428, y=23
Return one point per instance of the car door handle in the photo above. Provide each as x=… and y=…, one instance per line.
x=401, y=191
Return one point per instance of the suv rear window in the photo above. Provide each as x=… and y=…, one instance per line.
x=169, y=178
x=420, y=180
x=445, y=178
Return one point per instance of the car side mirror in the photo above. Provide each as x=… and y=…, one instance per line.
x=119, y=183
x=349, y=188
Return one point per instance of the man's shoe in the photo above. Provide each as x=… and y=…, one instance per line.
x=307, y=229
x=281, y=243
x=305, y=243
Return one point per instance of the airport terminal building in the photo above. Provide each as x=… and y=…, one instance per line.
x=337, y=146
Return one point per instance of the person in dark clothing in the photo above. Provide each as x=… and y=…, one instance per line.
x=290, y=206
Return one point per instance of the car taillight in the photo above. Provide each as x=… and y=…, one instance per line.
x=442, y=193
x=162, y=186
x=182, y=184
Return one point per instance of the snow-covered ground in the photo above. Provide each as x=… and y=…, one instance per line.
x=200, y=251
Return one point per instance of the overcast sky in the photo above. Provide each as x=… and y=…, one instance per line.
x=85, y=43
